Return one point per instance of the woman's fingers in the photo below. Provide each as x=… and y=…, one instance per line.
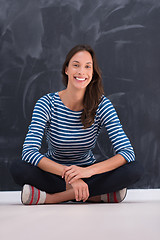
x=70, y=174
x=80, y=194
x=76, y=194
x=74, y=179
x=83, y=194
x=65, y=170
x=86, y=194
x=70, y=170
x=81, y=190
x=69, y=177
x=67, y=173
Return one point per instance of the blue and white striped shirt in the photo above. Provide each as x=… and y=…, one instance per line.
x=68, y=143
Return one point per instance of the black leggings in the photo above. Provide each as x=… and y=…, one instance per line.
x=124, y=176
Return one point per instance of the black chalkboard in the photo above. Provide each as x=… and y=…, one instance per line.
x=34, y=39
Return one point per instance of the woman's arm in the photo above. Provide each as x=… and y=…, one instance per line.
x=120, y=142
x=107, y=165
x=72, y=173
x=50, y=166
x=32, y=144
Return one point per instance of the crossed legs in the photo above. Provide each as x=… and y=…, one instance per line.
x=57, y=191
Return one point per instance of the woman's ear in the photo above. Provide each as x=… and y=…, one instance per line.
x=66, y=69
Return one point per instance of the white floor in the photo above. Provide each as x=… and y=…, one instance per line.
x=136, y=218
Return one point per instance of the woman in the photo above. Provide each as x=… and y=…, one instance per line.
x=72, y=120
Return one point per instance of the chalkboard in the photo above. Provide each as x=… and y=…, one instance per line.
x=34, y=39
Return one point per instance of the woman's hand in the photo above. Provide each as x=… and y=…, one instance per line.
x=81, y=190
x=73, y=173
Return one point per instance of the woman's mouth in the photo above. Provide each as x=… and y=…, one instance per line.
x=80, y=79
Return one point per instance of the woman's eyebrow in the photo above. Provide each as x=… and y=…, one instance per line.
x=78, y=62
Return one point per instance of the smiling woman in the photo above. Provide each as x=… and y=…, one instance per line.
x=72, y=120
x=83, y=61
x=79, y=72
x=80, y=68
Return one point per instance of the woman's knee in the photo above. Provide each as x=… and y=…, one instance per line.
x=18, y=171
x=134, y=171
x=15, y=171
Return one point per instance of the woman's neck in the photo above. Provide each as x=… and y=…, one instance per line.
x=72, y=99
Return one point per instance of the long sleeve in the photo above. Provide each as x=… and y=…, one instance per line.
x=40, y=117
x=110, y=120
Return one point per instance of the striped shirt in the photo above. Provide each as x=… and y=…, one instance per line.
x=68, y=143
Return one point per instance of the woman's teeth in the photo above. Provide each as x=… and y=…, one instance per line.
x=80, y=79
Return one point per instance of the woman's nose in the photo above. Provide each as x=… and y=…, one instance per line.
x=81, y=71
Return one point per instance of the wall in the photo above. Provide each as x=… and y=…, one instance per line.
x=34, y=39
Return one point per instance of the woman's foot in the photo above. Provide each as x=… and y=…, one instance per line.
x=32, y=196
x=95, y=199
x=114, y=197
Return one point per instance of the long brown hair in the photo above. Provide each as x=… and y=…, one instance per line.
x=94, y=90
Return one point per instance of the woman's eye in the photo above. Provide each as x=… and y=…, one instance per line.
x=88, y=66
x=75, y=65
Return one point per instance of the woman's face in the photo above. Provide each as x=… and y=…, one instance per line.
x=80, y=70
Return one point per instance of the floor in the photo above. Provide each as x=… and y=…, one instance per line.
x=136, y=218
